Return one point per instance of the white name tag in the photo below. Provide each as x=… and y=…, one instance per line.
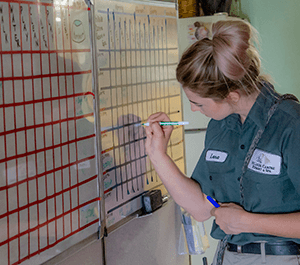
x=216, y=156
x=265, y=163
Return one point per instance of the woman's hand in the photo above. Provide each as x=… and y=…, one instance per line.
x=157, y=136
x=231, y=218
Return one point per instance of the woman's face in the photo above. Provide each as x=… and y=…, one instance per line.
x=216, y=110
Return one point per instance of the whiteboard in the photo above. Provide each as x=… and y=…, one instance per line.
x=49, y=181
x=48, y=177
x=137, y=57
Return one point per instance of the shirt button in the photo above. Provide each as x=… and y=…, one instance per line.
x=210, y=177
x=239, y=178
x=242, y=146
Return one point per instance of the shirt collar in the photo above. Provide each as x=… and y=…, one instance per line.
x=265, y=100
x=259, y=111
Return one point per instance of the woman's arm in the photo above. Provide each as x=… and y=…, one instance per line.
x=233, y=219
x=185, y=191
x=284, y=225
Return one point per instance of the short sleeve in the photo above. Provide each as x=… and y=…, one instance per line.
x=201, y=175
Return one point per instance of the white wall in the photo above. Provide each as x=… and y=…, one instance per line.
x=149, y=240
x=90, y=255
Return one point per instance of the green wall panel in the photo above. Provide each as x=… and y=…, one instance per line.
x=278, y=24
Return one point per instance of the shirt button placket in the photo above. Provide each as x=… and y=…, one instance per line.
x=242, y=147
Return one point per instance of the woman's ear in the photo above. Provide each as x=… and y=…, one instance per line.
x=233, y=97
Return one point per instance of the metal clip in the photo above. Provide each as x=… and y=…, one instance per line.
x=239, y=249
x=263, y=252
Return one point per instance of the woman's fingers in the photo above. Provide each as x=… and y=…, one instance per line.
x=159, y=116
x=148, y=131
x=157, y=136
x=156, y=129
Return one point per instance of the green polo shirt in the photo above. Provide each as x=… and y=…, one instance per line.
x=272, y=179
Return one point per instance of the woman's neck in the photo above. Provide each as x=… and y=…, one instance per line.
x=244, y=105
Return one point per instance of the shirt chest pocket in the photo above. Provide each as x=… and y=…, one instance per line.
x=217, y=161
x=265, y=192
x=266, y=184
x=221, y=171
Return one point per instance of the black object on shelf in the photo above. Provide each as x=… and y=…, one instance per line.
x=152, y=200
x=211, y=7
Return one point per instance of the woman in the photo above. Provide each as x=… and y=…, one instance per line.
x=251, y=158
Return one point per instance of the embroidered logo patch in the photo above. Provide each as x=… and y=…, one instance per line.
x=216, y=156
x=265, y=163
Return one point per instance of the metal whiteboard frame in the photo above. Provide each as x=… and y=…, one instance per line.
x=95, y=85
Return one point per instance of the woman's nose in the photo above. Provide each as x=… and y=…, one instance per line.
x=193, y=107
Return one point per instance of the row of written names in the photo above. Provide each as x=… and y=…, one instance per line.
x=43, y=27
x=47, y=27
x=134, y=31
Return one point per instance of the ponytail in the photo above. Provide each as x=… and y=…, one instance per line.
x=227, y=62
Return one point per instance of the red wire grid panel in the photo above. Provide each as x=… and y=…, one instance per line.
x=48, y=177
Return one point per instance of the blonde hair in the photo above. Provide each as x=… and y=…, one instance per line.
x=226, y=62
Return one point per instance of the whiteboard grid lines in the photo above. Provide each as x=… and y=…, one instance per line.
x=134, y=82
x=47, y=135
x=45, y=200
x=43, y=150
